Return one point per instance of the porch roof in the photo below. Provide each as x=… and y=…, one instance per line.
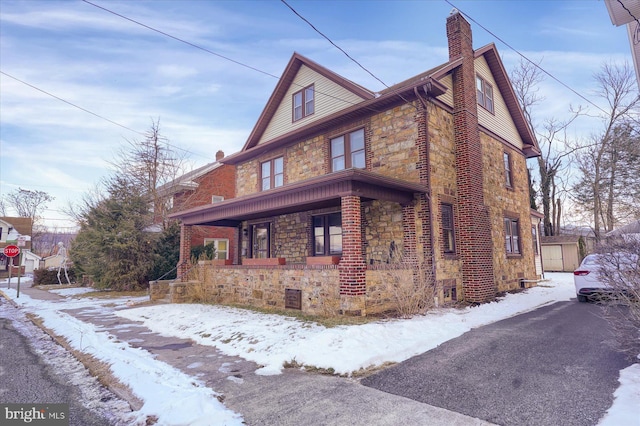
x=319, y=192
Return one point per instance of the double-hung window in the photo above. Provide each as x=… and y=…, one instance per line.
x=512, y=236
x=272, y=173
x=347, y=151
x=327, y=234
x=484, y=92
x=448, y=234
x=508, y=176
x=303, y=103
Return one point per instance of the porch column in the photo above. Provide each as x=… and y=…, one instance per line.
x=409, y=239
x=352, y=266
x=184, y=264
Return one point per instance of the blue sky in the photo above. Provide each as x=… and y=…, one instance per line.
x=132, y=75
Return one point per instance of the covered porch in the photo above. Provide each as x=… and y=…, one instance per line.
x=313, y=243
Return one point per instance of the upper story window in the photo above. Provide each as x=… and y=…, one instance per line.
x=347, y=151
x=303, y=103
x=512, y=236
x=272, y=173
x=508, y=176
x=484, y=93
x=448, y=234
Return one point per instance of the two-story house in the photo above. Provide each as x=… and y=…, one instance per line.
x=204, y=186
x=337, y=183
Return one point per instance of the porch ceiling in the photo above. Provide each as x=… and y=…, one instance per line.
x=315, y=193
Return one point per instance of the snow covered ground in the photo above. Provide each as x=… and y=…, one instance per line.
x=270, y=340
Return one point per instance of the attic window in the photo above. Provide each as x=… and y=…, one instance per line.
x=484, y=93
x=303, y=103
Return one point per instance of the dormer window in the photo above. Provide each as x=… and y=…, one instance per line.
x=303, y=103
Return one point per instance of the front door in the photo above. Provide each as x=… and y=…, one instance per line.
x=261, y=241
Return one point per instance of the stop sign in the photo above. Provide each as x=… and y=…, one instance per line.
x=11, y=251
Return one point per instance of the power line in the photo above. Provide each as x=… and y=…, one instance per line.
x=629, y=12
x=181, y=40
x=332, y=43
x=242, y=64
x=341, y=49
x=90, y=112
x=71, y=103
x=525, y=58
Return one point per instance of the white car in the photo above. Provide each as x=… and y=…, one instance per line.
x=588, y=280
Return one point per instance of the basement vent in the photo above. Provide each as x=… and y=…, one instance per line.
x=292, y=298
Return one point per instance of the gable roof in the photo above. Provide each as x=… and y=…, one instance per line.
x=490, y=53
x=23, y=225
x=289, y=74
x=428, y=82
x=186, y=181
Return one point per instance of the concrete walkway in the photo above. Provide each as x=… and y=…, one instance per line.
x=292, y=398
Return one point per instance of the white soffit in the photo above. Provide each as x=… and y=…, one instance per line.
x=623, y=11
x=634, y=39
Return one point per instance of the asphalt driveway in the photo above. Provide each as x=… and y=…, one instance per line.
x=553, y=366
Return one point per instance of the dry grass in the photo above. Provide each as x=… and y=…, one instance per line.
x=410, y=286
x=99, y=369
x=112, y=294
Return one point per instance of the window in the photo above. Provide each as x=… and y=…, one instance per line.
x=512, y=236
x=347, y=151
x=221, y=247
x=534, y=234
x=327, y=234
x=484, y=94
x=272, y=173
x=448, y=235
x=508, y=179
x=303, y=103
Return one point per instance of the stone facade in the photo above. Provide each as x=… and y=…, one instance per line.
x=434, y=147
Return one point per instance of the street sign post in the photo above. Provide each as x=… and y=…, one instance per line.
x=12, y=251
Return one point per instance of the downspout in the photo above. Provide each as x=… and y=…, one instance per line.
x=424, y=103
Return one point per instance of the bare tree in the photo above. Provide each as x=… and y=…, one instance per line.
x=619, y=269
x=148, y=164
x=608, y=166
x=553, y=140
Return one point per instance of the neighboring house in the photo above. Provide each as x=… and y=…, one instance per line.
x=338, y=186
x=11, y=230
x=205, y=186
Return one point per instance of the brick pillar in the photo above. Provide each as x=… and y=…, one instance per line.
x=184, y=264
x=352, y=266
x=476, y=244
x=409, y=240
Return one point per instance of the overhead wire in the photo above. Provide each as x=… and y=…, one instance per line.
x=70, y=103
x=87, y=110
x=204, y=49
x=526, y=58
x=340, y=49
x=635, y=18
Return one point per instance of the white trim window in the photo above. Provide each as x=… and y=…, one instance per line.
x=221, y=246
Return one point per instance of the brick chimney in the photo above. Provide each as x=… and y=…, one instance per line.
x=476, y=244
x=219, y=155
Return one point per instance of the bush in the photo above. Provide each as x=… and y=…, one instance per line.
x=620, y=258
x=48, y=277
